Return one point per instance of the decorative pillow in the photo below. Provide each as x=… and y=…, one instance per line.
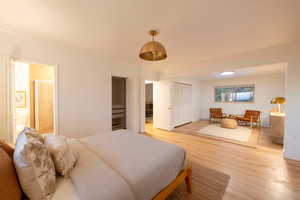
x=7, y=148
x=63, y=156
x=34, y=167
x=9, y=184
x=31, y=132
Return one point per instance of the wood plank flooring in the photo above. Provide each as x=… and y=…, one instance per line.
x=255, y=173
x=259, y=138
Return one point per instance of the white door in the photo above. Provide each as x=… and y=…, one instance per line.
x=182, y=108
x=189, y=103
x=44, y=106
x=182, y=104
x=162, y=111
x=176, y=105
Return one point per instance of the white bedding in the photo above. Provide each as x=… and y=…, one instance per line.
x=65, y=190
x=95, y=180
x=120, y=166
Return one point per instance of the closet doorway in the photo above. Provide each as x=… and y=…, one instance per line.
x=118, y=103
x=148, y=102
x=35, y=97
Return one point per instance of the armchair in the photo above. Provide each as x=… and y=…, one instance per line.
x=216, y=114
x=250, y=116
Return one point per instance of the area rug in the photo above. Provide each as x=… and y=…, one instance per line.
x=207, y=183
x=240, y=134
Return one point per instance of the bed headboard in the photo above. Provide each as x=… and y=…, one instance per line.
x=9, y=184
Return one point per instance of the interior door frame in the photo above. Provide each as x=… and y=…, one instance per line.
x=142, y=99
x=110, y=99
x=56, y=100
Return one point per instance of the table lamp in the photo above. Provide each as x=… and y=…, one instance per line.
x=279, y=101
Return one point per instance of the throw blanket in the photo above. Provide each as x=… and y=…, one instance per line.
x=125, y=165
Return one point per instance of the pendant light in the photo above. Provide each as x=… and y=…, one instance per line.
x=153, y=51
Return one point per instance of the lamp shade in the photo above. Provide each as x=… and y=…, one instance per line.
x=278, y=100
x=153, y=51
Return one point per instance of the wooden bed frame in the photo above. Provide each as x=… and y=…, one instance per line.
x=184, y=175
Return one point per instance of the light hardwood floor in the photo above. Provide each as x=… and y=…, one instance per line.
x=259, y=138
x=255, y=173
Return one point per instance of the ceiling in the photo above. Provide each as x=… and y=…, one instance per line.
x=278, y=68
x=253, y=71
x=192, y=31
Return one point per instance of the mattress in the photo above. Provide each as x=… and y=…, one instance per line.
x=65, y=190
x=148, y=165
x=120, y=166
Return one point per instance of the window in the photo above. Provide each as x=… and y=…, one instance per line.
x=244, y=93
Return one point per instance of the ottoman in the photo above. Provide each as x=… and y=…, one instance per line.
x=229, y=123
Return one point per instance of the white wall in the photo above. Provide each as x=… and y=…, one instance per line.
x=279, y=54
x=84, y=83
x=292, y=126
x=266, y=88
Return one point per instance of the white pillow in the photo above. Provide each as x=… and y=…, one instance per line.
x=63, y=156
x=34, y=166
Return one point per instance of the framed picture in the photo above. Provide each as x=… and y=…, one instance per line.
x=21, y=99
x=235, y=94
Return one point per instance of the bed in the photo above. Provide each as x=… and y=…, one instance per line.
x=126, y=166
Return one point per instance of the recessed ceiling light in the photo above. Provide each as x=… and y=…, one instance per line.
x=227, y=73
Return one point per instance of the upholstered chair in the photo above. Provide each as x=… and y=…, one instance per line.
x=250, y=117
x=216, y=114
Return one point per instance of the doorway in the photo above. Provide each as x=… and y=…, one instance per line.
x=148, y=102
x=35, y=97
x=118, y=103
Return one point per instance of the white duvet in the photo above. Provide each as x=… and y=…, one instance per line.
x=124, y=166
